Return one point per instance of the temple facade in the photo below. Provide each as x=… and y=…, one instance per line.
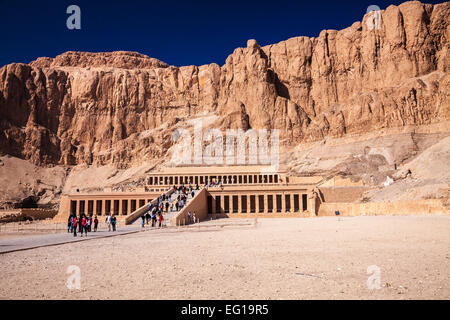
x=234, y=191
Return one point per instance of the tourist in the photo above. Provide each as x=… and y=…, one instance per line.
x=74, y=223
x=192, y=193
x=69, y=224
x=194, y=217
x=147, y=216
x=189, y=217
x=143, y=221
x=80, y=226
x=84, y=225
x=95, y=224
x=160, y=220
x=108, y=221
x=167, y=206
x=89, y=222
x=113, y=222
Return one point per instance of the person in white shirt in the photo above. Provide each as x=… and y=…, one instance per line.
x=108, y=221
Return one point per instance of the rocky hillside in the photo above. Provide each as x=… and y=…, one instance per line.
x=120, y=108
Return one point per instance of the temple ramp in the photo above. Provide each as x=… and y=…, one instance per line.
x=197, y=204
x=142, y=210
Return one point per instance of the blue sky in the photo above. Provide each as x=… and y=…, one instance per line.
x=176, y=32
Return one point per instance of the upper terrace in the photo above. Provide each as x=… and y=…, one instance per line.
x=231, y=175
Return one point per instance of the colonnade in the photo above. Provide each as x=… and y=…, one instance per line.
x=250, y=202
x=233, y=179
x=117, y=206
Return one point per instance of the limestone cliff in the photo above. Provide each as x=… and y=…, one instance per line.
x=120, y=108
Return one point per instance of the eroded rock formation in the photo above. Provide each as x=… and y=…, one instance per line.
x=120, y=108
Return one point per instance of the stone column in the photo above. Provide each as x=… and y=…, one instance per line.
x=257, y=203
x=312, y=203
x=266, y=204
x=94, y=208
x=292, y=202
x=120, y=207
x=248, y=203
x=239, y=203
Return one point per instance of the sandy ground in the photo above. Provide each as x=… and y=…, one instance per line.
x=316, y=258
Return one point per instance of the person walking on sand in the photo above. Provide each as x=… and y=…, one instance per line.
x=88, y=223
x=74, y=223
x=113, y=222
x=69, y=224
x=80, y=226
x=95, y=223
x=83, y=225
x=86, y=226
x=160, y=220
x=108, y=221
x=143, y=221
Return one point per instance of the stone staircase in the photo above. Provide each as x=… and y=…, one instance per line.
x=134, y=216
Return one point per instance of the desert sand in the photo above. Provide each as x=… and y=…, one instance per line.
x=316, y=258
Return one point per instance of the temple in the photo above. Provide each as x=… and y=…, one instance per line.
x=233, y=191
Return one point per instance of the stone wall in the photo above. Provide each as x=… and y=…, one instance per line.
x=342, y=194
x=26, y=213
x=407, y=207
x=304, y=214
x=198, y=204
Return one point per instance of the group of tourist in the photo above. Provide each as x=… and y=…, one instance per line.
x=84, y=223
x=213, y=184
x=155, y=211
x=192, y=218
x=164, y=203
x=155, y=216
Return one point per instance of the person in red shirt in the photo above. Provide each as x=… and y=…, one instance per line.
x=74, y=222
x=84, y=226
x=160, y=220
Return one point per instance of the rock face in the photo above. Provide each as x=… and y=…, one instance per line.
x=120, y=108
